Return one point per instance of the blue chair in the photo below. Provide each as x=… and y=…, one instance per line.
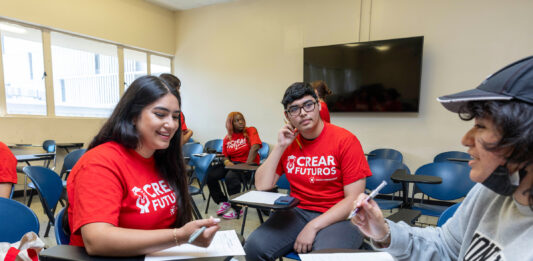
x=444, y=156
x=61, y=237
x=448, y=213
x=69, y=162
x=455, y=184
x=391, y=154
x=213, y=146
x=191, y=148
x=382, y=169
x=263, y=151
x=50, y=188
x=16, y=220
x=202, y=165
x=50, y=147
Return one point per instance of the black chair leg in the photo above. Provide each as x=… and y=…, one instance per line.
x=195, y=212
x=47, y=229
x=244, y=220
x=208, y=199
x=30, y=197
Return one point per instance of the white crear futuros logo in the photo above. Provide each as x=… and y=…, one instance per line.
x=290, y=163
x=142, y=200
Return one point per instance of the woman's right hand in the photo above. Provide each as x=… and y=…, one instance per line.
x=206, y=237
x=369, y=218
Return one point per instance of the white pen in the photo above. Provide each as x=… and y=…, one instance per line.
x=372, y=195
x=199, y=231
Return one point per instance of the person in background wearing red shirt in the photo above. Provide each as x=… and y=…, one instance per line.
x=8, y=171
x=174, y=82
x=128, y=193
x=326, y=168
x=239, y=146
x=322, y=91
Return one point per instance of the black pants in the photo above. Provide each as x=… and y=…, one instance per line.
x=233, y=183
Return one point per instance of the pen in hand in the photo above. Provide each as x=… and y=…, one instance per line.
x=372, y=195
x=199, y=231
x=296, y=138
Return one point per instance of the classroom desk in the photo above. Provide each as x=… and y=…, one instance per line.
x=458, y=159
x=401, y=175
x=68, y=252
x=72, y=145
x=244, y=167
x=34, y=157
x=259, y=207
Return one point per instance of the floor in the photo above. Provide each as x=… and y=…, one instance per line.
x=252, y=220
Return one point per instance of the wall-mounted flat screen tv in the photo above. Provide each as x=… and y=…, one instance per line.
x=375, y=76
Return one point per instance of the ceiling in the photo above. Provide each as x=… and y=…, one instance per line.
x=185, y=4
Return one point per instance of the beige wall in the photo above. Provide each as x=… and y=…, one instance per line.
x=130, y=22
x=242, y=55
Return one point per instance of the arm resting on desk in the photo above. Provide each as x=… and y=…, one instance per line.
x=339, y=212
x=104, y=239
x=253, y=153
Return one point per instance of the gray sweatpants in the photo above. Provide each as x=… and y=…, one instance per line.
x=277, y=235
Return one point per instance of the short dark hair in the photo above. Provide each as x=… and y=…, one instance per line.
x=514, y=122
x=173, y=82
x=296, y=91
x=120, y=128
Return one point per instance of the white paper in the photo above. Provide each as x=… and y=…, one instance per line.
x=359, y=256
x=262, y=197
x=225, y=243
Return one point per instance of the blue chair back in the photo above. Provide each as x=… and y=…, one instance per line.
x=192, y=148
x=455, y=180
x=448, y=213
x=16, y=220
x=391, y=154
x=201, y=166
x=283, y=183
x=49, y=146
x=61, y=237
x=381, y=170
x=70, y=160
x=48, y=184
x=12, y=191
x=444, y=156
x=263, y=151
x=213, y=145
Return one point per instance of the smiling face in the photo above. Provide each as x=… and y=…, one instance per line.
x=157, y=124
x=307, y=122
x=484, y=162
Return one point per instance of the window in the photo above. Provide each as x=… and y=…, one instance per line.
x=22, y=56
x=134, y=66
x=85, y=76
x=159, y=64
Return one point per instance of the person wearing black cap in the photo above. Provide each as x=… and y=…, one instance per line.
x=495, y=220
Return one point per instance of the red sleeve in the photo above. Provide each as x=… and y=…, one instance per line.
x=8, y=165
x=224, y=150
x=353, y=163
x=182, y=122
x=253, y=136
x=98, y=194
x=324, y=112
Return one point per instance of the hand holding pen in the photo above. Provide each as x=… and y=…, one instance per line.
x=294, y=132
x=202, y=231
x=367, y=215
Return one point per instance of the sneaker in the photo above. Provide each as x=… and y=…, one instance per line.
x=233, y=214
x=224, y=206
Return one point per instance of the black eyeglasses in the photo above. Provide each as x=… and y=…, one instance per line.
x=308, y=106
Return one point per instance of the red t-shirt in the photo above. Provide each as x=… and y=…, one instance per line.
x=8, y=165
x=318, y=172
x=182, y=122
x=116, y=185
x=238, y=147
x=324, y=112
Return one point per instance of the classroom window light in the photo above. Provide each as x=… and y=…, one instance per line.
x=159, y=65
x=23, y=66
x=134, y=66
x=85, y=76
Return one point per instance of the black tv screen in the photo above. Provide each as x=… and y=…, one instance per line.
x=376, y=76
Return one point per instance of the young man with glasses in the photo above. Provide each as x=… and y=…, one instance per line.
x=326, y=168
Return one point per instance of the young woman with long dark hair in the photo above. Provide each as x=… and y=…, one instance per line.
x=128, y=193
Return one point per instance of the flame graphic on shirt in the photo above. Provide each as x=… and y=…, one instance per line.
x=290, y=163
x=142, y=200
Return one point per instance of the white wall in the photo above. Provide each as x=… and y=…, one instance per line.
x=243, y=55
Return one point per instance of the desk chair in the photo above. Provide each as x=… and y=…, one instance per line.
x=69, y=162
x=202, y=165
x=61, y=236
x=263, y=151
x=50, y=147
x=16, y=220
x=188, y=150
x=382, y=169
x=384, y=153
x=50, y=188
x=448, y=213
x=213, y=146
x=455, y=184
